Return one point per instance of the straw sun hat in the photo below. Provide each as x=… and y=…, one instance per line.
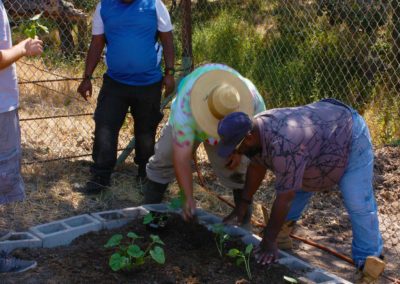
x=215, y=94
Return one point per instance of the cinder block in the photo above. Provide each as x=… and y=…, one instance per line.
x=135, y=212
x=295, y=265
x=160, y=207
x=251, y=239
x=14, y=240
x=236, y=231
x=209, y=219
x=63, y=232
x=112, y=219
x=321, y=276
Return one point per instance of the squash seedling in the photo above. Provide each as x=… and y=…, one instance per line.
x=34, y=27
x=157, y=220
x=130, y=255
x=220, y=237
x=242, y=257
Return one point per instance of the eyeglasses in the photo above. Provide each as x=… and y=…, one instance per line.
x=240, y=143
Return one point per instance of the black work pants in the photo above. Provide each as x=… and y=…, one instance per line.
x=112, y=105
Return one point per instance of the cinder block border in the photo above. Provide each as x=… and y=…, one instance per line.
x=14, y=240
x=63, y=232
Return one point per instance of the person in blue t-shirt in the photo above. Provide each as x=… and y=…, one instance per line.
x=130, y=30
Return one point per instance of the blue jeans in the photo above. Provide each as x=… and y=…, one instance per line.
x=358, y=195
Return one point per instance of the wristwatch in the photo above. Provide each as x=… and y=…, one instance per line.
x=169, y=71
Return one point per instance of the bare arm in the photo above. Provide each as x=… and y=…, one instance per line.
x=167, y=43
x=267, y=251
x=254, y=176
x=93, y=57
x=27, y=47
x=182, y=156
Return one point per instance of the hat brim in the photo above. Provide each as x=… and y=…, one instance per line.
x=225, y=151
x=201, y=90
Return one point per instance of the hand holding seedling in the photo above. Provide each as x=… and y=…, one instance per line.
x=189, y=209
x=31, y=47
x=267, y=252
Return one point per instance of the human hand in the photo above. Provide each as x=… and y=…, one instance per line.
x=237, y=215
x=31, y=46
x=267, y=252
x=168, y=84
x=189, y=209
x=233, y=161
x=85, y=88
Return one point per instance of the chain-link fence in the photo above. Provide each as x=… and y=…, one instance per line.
x=294, y=51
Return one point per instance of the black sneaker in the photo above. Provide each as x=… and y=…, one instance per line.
x=95, y=186
x=9, y=264
x=140, y=183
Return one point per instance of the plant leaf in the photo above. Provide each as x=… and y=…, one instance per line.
x=135, y=251
x=239, y=261
x=249, y=248
x=117, y=262
x=148, y=218
x=43, y=28
x=156, y=239
x=36, y=17
x=139, y=261
x=218, y=228
x=158, y=254
x=132, y=235
x=289, y=279
x=175, y=203
x=114, y=241
x=233, y=252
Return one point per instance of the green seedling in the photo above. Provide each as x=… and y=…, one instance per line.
x=34, y=27
x=156, y=220
x=242, y=257
x=129, y=254
x=220, y=237
x=177, y=203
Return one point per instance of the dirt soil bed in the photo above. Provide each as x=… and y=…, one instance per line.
x=191, y=257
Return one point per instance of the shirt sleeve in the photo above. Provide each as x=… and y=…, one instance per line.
x=97, y=22
x=163, y=18
x=3, y=28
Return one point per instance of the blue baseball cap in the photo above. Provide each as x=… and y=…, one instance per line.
x=232, y=129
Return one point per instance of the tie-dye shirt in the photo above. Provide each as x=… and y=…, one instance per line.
x=306, y=147
x=185, y=129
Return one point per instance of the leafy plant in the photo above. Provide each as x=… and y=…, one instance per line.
x=242, y=257
x=34, y=27
x=129, y=254
x=156, y=220
x=220, y=237
x=177, y=202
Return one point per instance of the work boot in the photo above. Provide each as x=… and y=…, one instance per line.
x=283, y=240
x=373, y=268
x=153, y=191
x=237, y=195
x=9, y=264
x=95, y=185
